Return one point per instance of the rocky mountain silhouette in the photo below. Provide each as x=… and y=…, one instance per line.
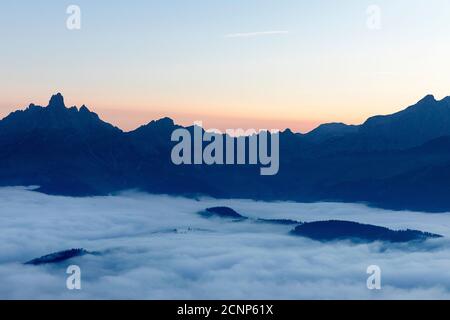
x=399, y=161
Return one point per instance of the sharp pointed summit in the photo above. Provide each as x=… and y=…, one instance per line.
x=56, y=101
x=85, y=109
x=427, y=99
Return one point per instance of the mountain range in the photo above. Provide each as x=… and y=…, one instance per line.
x=399, y=161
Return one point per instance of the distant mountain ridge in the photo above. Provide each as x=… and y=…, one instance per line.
x=428, y=119
x=398, y=161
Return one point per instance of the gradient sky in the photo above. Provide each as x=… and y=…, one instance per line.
x=229, y=63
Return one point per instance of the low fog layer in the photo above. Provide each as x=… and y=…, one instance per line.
x=143, y=257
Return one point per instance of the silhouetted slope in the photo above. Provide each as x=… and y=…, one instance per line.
x=228, y=213
x=428, y=119
x=284, y=222
x=221, y=212
x=330, y=131
x=357, y=232
x=59, y=256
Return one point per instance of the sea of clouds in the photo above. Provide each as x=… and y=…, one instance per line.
x=158, y=247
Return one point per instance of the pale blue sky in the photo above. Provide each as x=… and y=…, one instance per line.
x=133, y=61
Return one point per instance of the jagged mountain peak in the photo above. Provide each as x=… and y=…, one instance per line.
x=427, y=99
x=56, y=101
x=83, y=108
x=55, y=116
